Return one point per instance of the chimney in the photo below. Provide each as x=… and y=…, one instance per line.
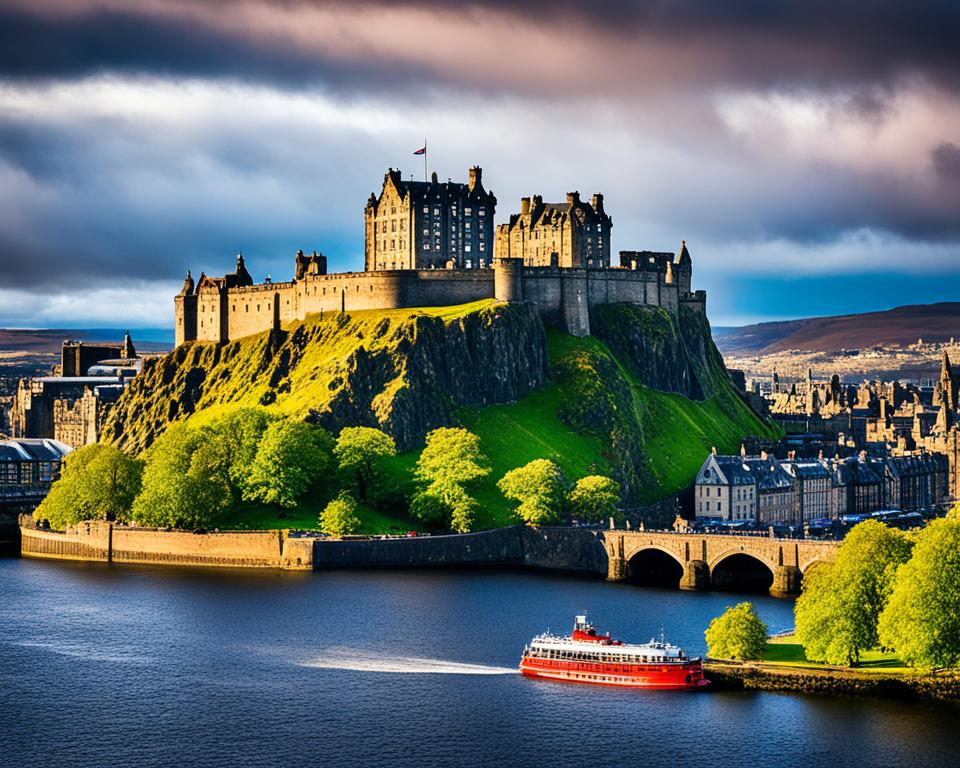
x=537, y=201
x=524, y=206
x=597, y=202
x=573, y=197
x=792, y=455
x=475, y=173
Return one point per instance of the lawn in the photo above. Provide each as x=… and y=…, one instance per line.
x=787, y=652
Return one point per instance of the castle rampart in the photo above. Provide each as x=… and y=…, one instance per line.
x=219, y=312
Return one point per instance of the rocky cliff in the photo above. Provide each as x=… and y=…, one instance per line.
x=405, y=372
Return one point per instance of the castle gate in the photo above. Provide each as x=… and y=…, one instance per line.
x=702, y=561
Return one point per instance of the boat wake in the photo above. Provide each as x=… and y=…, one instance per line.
x=401, y=665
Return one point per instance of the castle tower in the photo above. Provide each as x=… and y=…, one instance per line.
x=185, y=312
x=128, y=352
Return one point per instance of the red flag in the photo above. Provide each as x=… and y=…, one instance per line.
x=422, y=150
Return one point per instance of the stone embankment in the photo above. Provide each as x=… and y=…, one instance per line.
x=569, y=549
x=101, y=541
x=759, y=676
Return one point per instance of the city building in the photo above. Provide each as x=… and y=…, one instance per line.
x=28, y=468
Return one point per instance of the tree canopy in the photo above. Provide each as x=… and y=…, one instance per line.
x=449, y=464
x=292, y=459
x=231, y=446
x=357, y=452
x=182, y=487
x=538, y=487
x=922, y=618
x=339, y=517
x=738, y=633
x=97, y=482
x=594, y=498
x=841, y=602
x=453, y=455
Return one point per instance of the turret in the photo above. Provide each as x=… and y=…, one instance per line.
x=475, y=174
x=597, y=202
x=188, y=286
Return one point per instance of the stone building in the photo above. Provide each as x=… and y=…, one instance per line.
x=72, y=408
x=429, y=225
x=28, y=468
x=812, y=489
x=568, y=234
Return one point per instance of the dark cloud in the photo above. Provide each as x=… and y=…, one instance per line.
x=817, y=44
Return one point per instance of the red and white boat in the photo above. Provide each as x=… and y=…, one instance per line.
x=587, y=657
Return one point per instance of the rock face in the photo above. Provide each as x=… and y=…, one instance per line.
x=403, y=372
x=662, y=353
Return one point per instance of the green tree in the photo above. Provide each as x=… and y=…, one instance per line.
x=737, y=634
x=449, y=464
x=594, y=497
x=231, y=446
x=922, y=618
x=357, y=452
x=841, y=602
x=538, y=488
x=339, y=517
x=181, y=488
x=97, y=482
x=293, y=458
x=445, y=503
x=452, y=454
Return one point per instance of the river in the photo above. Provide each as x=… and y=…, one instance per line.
x=142, y=666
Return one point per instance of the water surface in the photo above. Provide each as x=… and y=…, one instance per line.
x=124, y=665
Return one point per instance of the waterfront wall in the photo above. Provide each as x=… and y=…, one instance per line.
x=555, y=548
x=105, y=542
x=558, y=548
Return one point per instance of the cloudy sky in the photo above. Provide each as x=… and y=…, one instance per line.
x=808, y=152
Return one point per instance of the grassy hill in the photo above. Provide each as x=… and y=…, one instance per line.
x=528, y=391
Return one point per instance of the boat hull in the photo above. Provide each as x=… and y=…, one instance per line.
x=687, y=675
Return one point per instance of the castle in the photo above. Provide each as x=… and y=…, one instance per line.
x=429, y=244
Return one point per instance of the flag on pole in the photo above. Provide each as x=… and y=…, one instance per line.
x=422, y=150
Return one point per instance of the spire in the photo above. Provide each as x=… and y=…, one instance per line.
x=128, y=352
x=683, y=257
x=946, y=372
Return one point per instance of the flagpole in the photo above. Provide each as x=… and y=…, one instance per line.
x=424, y=159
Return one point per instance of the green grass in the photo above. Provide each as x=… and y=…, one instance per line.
x=787, y=652
x=261, y=518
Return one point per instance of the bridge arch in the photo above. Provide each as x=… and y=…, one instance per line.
x=805, y=568
x=741, y=570
x=654, y=566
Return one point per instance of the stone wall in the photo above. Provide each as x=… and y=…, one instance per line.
x=555, y=548
x=106, y=542
x=562, y=295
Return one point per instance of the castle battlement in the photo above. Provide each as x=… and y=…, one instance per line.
x=221, y=309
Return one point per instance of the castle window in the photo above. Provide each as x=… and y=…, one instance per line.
x=258, y=307
x=483, y=246
x=426, y=246
x=468, y=211
x=467, y=247
x=483, y=212
x=436, y=211
x=426, y=209
x=246, y=307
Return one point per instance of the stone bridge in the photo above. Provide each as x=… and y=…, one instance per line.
x=699, y=561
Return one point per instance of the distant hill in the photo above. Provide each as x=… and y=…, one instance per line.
x=40, y=340
x=902, y=325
